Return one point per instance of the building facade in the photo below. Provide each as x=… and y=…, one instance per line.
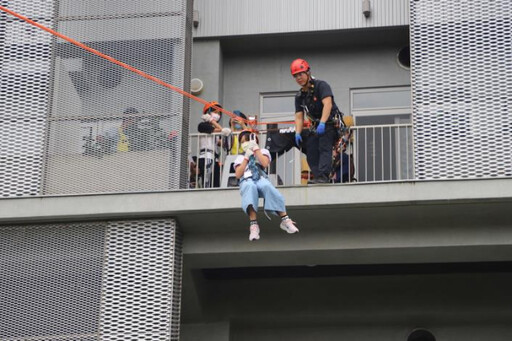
x=102, y=238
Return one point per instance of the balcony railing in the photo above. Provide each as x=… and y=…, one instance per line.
x=147, y=159
x=377, y=153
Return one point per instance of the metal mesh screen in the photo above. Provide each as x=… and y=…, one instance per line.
x=462, y=85
x=91, y=281
x=96, y=127
x=25, y=65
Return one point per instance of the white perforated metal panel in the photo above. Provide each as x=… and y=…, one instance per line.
x=24, y=82
x=90, y=281
x=138, y=296
x=461, y=56
x=73, y=122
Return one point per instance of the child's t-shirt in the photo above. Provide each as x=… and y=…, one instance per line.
x=240, y=158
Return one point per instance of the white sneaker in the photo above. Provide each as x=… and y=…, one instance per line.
x=254, y=232
x=289, y=226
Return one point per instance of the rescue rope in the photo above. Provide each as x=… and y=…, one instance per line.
x=137, y=71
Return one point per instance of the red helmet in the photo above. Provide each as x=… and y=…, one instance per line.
x=210, y=105
x=299, y=65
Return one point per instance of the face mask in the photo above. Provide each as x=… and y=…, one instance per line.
x=245, y=146
x=216, y=117
x=238, y=126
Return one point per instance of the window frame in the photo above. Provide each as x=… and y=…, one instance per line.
x=373, y=111
x=384, y=111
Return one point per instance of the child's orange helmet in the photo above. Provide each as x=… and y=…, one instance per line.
x=209, y=106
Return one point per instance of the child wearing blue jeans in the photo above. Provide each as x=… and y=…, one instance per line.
x=255, y=184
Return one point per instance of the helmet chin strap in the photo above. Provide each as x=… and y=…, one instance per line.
x=309, y=84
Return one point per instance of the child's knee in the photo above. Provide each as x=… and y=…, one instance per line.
x=248, y=187
x=268, y=188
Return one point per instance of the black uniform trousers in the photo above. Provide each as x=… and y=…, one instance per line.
x=319, y=152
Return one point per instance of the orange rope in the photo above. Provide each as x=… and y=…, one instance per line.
x=131, y=68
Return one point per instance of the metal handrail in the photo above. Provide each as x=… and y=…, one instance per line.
x=373, y=153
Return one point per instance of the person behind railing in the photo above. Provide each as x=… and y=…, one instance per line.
x=192, y=171
x=343, y=165
x=315, y=100
x=231, y=142
x=117, y=139
x=249, y=168
x=208, y=159
x=136, y=133
x=343, y=158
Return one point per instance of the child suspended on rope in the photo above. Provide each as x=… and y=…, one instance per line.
x=254, y=184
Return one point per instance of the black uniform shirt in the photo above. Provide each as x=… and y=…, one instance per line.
x=312, y=99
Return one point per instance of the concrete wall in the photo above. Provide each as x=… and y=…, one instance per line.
x=372, y=332
x=206, y=331
x=243, y=17
x=453, y=307
x=342, y=69
x=353, y=225
x=207, y=65
x=258, y=65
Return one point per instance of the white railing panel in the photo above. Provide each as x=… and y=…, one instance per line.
x=376, y=153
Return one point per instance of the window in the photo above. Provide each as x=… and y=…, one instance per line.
x=280, y=107
x=383, y=133
x=378, y=99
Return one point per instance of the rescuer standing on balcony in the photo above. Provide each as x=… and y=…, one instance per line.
x=316, y=101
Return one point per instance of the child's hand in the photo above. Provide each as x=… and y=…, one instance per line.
x=253, y=145
x=225, y=132
x=248, y=153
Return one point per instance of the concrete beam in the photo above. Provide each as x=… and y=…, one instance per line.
x=183, y=204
